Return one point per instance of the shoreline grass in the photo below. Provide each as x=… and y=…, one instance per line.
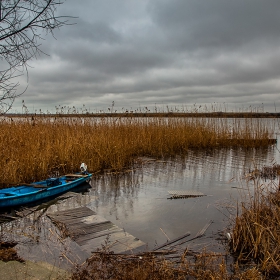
x=32, y=148
x=202, y=266
x=256, y=230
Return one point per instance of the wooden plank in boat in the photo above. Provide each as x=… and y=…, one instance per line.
x=75, y=175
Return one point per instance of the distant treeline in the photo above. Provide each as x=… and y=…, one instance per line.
x=158, y=114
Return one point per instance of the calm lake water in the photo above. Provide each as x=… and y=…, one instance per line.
x=137, y=201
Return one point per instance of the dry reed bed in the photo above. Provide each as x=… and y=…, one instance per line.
x=31, y=148
x=256, y=231
x=204, y=266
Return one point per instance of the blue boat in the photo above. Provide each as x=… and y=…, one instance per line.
x=27, y=193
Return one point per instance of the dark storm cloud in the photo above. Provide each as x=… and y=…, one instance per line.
x=195, y=25
x=161, y=51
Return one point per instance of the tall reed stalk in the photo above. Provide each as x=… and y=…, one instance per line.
x=256, y=232
x=31, y=148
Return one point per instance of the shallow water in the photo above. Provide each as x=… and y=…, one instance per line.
x=137, y=200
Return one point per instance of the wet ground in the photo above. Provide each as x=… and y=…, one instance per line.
x=32, y=271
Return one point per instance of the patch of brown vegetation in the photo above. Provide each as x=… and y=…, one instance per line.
x=256, y=233
x=8, y=252
x=204, y=266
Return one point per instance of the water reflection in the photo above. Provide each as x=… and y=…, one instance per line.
x=117, y=189
x=137, y=201
x=39, y=240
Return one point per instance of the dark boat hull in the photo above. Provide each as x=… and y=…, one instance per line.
x=22, y=195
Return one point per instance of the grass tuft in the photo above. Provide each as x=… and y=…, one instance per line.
x=256, y=232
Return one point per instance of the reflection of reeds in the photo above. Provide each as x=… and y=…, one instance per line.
x=256, y=233
x=32, y=148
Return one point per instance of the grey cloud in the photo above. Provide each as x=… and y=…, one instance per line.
x=161, y=51
x=216, y=23
x=116, y=60
x=97, y=32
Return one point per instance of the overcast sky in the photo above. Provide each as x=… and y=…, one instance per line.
x=160, y=52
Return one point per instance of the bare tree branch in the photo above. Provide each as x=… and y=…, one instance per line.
x=21, y=25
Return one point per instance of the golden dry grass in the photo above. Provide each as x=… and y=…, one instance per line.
x=256, y=232
x=136, y=267
x=31, y=148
